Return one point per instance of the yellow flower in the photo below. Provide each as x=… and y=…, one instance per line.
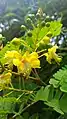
x=24, y=63
x=5, y=80
x=23, y=66
x=51, y=54
x=32, y=59
x=28, y=62
x=12, y=54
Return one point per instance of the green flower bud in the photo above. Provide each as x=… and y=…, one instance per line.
x=28, y=20
x=29, y=34
x=16, y=41
x=47, y=24
x=38, y=15
x=42, y=23
x=49, y=34
x=23, y=28
x=32, y=16
x=48, y=19
x=46, y=39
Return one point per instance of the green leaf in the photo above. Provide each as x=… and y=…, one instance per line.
x=42, y=94
x=50, y=96
x=21, y=108
x=30, y=85
x=63, y=103
x=61, y=74
x=60, y=80
x=57, y=109
x=63, y=88
x=54, y=102
x=43, y=32
x=3, y=116
x=7, y=105
x=19, y=117
x=54, y=82
x=55, y=27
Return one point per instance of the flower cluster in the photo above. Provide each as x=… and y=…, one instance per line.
x=24, y=63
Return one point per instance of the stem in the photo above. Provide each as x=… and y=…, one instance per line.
x=17, y=74
x=33, y=72
x=39, y=78
x=41, y=51
x=36, y=73
x=19, y=90
x=8, y=94
x=41, y=56
x=20, y=96
x=33, y=25
x=19, y=82
x=11, y=85
x=23, y=83
x=34, y=78
x=26, y=45
x=24, y=109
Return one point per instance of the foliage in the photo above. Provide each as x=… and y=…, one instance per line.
x=22, y=60
x=53, y=96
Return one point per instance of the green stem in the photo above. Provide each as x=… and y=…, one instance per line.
x=23, y=83
x=34, y=78
x=19, y=82
x=20, y=96
x=17, y=74
x=8, y=94
x=24, y=109
x=41, y=56
x=36, y=73
x=19, y=90
x=41, y=51
x=26, y=45
x=39, y=77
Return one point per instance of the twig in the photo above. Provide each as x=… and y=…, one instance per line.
x=19, y=90
x=24, y=109
x=8, y=94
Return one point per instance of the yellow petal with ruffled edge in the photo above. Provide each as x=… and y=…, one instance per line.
x=51, y=54
x=33, y=60
x=5, y=80
x=12, y=54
